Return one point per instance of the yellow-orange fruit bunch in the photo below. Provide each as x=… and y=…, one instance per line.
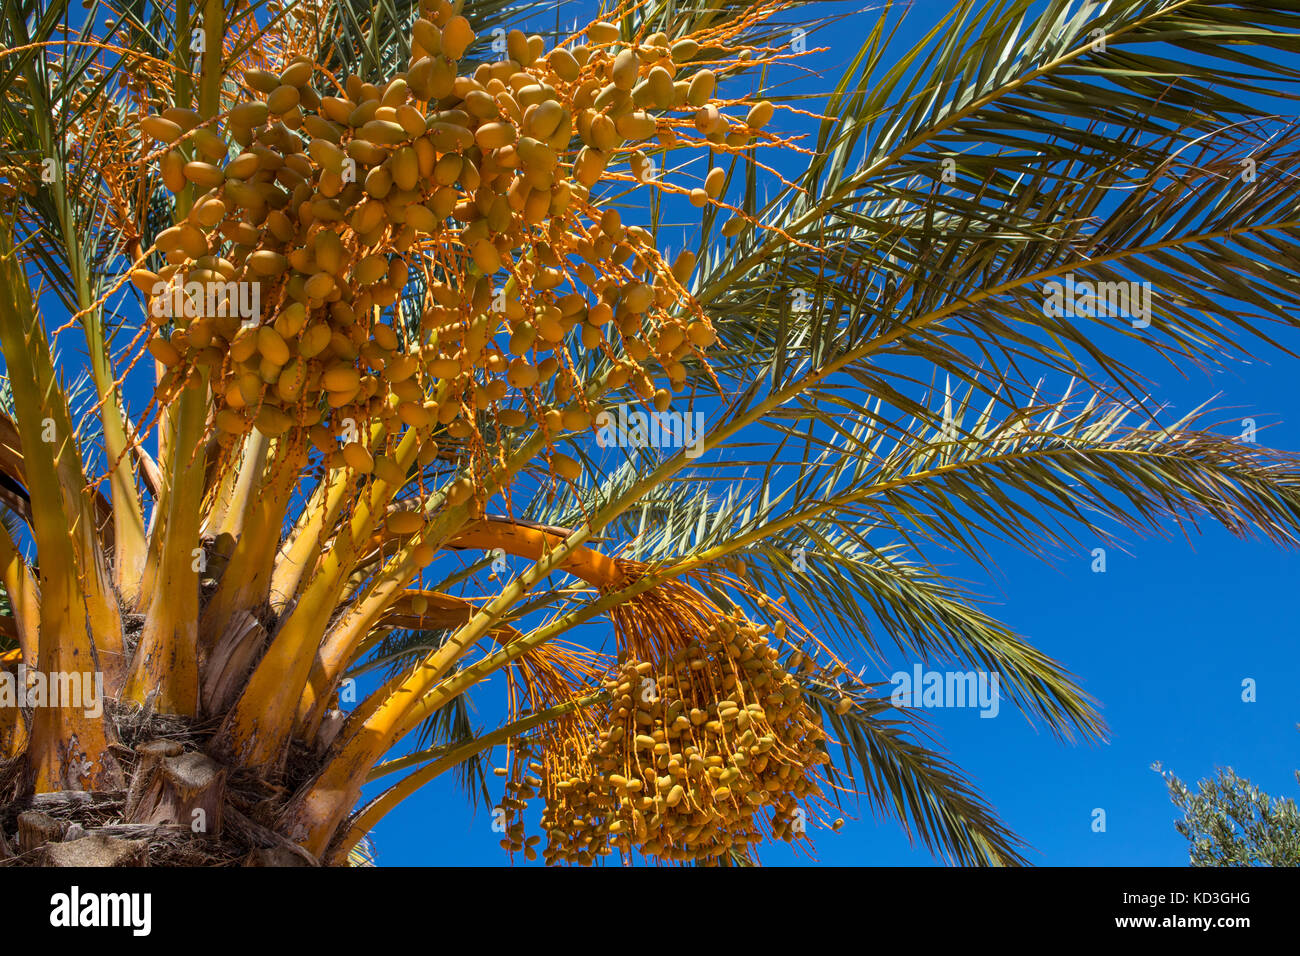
x=482, y=182
x=691, y=763
x=15, y=180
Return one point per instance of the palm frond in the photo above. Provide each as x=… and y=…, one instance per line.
x=447, y=727
x=933, y=215
x=916, y=786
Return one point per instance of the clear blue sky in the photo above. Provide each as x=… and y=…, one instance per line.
x=1163, y=640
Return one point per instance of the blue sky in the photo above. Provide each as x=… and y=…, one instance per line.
x=1163, y=639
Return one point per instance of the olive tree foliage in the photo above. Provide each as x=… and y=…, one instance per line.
x=1228, y=821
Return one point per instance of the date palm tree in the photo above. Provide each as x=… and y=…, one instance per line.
x=480, y=422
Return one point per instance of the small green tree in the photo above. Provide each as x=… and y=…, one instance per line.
x=1230, y=822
